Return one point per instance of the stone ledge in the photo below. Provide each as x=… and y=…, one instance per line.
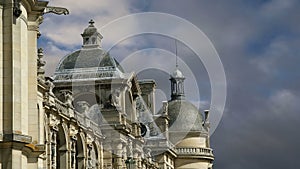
x=34, y=150
x=14, y=137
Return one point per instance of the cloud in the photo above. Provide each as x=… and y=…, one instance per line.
x=66, y=30
x=284, y=101
x=52, y=56
x=255, y=141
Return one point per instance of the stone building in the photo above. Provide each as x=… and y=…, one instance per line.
x=91, y=113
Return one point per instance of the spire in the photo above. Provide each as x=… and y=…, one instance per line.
x=91, y=36
x=176, y=53
x=177, y=81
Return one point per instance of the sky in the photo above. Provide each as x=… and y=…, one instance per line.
x=257, y=42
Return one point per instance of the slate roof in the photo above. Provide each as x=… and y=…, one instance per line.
x=184, y=116
x=88, y=58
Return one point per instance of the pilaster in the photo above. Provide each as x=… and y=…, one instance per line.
x=14, y=86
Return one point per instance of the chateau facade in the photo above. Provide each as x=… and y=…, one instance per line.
x=90, y=113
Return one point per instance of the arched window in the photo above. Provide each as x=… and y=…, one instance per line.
x=80, y=157
x=61, y=148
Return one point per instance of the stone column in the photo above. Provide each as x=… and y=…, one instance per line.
x=72, y=153
x=72, y=146
x=100, y=155
x=137, y=158
x=1, y=73
x=53, y=148
x=117, y=156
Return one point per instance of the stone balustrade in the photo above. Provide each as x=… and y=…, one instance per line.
x=195, y=151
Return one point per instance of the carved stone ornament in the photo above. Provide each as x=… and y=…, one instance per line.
x=40, y=64
x=116, y=98
x=56, y=10
x=84, y=107
x=89, y=140
x=53, y=122
x=147, y=152
x=16, y=9
x=130, y=149
x=73, y=132
x=49, y=83
x=67, y=98
x=165, y=107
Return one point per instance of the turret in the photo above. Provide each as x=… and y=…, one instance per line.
x=177, y=85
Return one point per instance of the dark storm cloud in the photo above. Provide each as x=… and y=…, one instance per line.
x=258, y=43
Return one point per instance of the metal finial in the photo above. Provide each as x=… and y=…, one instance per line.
x=91, y=22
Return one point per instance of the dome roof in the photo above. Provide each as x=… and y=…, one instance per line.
x=184, y=116
x=88, y=58
x=88, y=63
x=177, y=74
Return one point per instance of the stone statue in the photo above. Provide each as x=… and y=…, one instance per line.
x=113, y=100
x=73, y=153
x=49, y=82
x=40, y=64
x=67, y=98
x=153, y=129
x=84, y=106
x=95, y=113
x=116, y=98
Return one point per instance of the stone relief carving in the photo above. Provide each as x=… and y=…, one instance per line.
x=70, y=76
